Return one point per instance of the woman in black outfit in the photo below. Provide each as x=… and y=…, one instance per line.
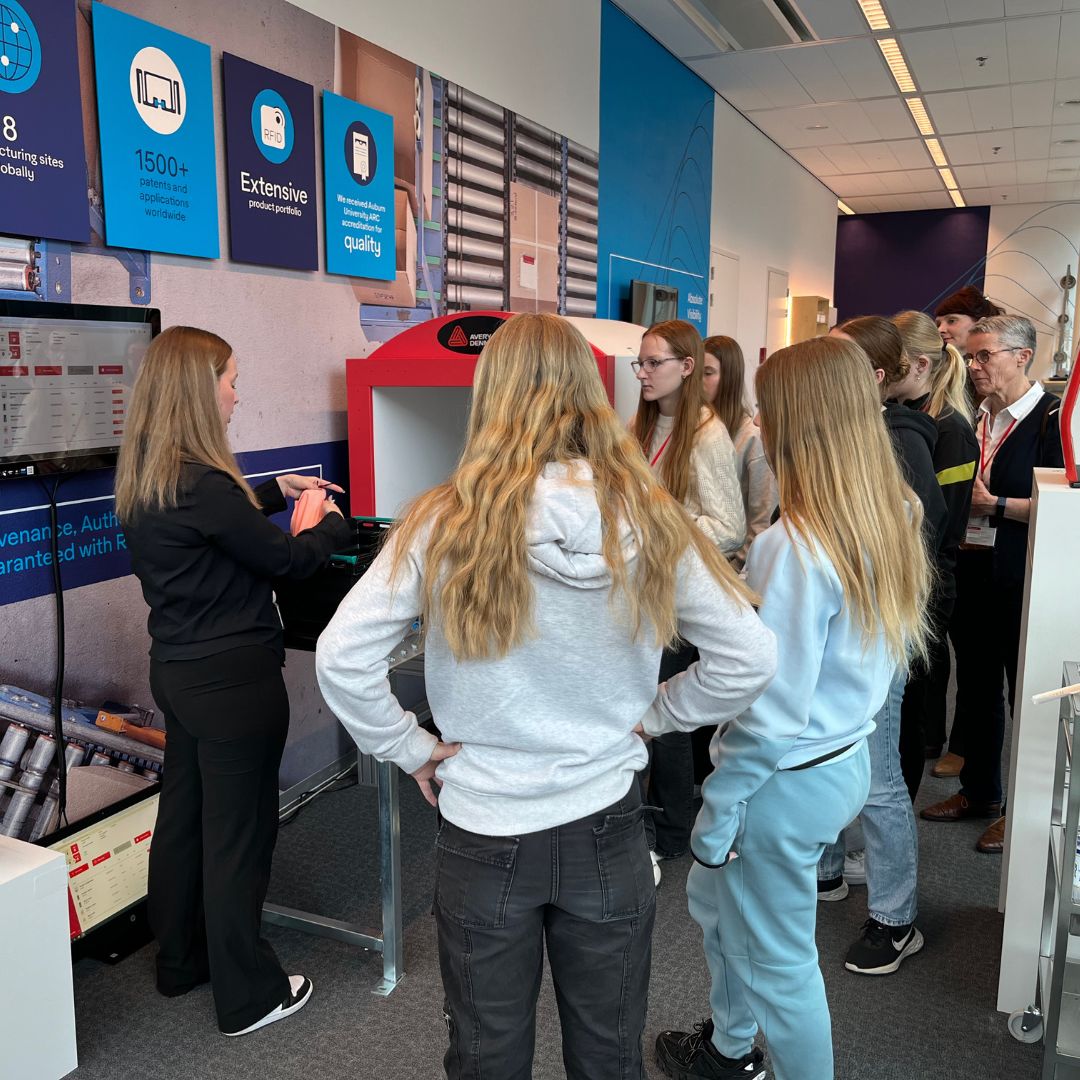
x=936, y=385
x=205, y=555
x=1017, y=432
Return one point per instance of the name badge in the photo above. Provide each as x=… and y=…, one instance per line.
x=981, y=532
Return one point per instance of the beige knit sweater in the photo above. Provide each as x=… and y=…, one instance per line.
x=713, y=496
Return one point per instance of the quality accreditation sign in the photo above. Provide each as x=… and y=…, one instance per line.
x=155, y=115
x=270, y=156
x=358, y=174
x=42, y=158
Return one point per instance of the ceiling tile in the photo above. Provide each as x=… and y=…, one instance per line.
x=816, y=73
x=962, y=149
x=986, y=41
x=904, y=13
x=830, y=19
x=1068, y=61
x=1032, y=104
x=1007, y=193
x=933, y=61
x=977, y=196
x=813, y=159
x=772, y=78
x=864, y=205
x=923, y=179
x=879, y=157
x=966, y=10
x=846, y=159
x=727, y=75
x=1031, y=172
x=1031, y=143
x=862, y=66
x=891, y=118
x=970, y=175
x=996, y=145
x=950, y=112
x=669, y=26
x=1033, y=47
x=991, y=108
x=1030, y=7
x=910, y=153
x=937, y=200
x=1001, y=174
x=1031, y=193
x=850, y=119
x=1062, y=190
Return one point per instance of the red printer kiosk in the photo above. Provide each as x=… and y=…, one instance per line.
x=439, y=353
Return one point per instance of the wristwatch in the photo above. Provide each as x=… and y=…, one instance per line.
x=999, y=514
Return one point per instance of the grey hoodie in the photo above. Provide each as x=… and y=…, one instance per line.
x=546, y=732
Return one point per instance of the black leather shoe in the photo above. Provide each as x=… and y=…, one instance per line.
x=691, y=1055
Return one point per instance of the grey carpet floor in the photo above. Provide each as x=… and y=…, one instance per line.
x=933, y=1020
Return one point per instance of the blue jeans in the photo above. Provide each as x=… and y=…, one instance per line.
x=888, y=822
x=758, y=915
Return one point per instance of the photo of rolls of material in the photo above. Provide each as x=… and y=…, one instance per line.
x=41, y=755
x=11, y=749
x=15, y=278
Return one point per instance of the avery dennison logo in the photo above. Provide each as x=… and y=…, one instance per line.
x=457, y=338
x=468, y=334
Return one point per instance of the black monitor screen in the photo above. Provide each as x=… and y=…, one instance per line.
x=66, y=372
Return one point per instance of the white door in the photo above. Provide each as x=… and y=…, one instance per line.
x=776, y=312
x=723, y=293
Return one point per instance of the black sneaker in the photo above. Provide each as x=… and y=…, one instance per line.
x=882, y=949
x=299, y=994
x=691, y=1056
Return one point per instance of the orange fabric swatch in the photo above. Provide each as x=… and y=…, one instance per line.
x=308, y=512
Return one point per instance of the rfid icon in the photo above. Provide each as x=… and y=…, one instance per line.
x=272, y=126
x=20, y=49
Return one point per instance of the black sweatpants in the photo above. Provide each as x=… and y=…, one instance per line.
x=585, y=889
x=226, y=718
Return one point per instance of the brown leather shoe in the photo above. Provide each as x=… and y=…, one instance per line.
x=949, y=765
x=957, y=807
x=992, y=842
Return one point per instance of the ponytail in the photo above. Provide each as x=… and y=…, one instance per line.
x=948, y=385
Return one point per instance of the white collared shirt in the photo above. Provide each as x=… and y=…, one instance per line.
x=1001, y=423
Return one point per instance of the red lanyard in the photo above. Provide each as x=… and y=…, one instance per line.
x=663, y=447
x=984, y=461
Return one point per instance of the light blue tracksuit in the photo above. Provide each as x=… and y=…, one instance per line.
x=758, y=911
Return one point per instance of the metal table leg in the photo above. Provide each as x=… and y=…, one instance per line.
x=390, y=944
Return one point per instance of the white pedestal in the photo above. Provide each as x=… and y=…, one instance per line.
x=37, y=1003
x=1050, y=635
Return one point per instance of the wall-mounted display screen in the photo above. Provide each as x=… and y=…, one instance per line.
x=66, y=373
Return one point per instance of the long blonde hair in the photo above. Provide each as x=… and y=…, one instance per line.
x=730, y=401
x=948, y=372
x=683, y=340
x=174, y=417
x=537, y=398
x=840, y=485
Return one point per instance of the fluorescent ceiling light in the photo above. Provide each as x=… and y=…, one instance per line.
x=890, y=49
x=950, y=180
x=940, y=160
x=843, y=207
x=920, y=115
x=875, y=14
x=957, y=198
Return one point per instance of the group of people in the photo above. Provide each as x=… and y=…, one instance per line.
x=596, y=596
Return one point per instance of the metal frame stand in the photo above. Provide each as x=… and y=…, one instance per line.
x=382, y=775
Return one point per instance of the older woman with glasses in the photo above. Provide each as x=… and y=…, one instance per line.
x=1017, y=432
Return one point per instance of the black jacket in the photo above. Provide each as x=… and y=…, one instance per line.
x=205, y=565
x=956, y=458
x=914, y=438
x=1035, y=442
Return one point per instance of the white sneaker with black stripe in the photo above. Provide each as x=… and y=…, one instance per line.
x=882, y=949
x=299, y=993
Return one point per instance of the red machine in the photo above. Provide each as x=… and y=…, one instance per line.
x=438, y=353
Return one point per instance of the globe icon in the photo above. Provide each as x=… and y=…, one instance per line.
x=20, y=50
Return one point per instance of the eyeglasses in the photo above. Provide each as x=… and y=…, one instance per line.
x=982, y=357
x=651, y=365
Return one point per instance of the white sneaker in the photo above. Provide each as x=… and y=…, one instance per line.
x=656, y=875
x=299, y=993
x=839, y=892
x=855, y=867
